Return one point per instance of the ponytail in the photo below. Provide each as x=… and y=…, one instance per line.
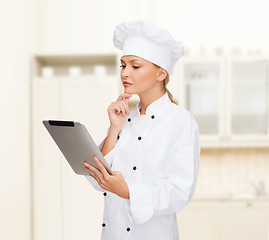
x=166, y=80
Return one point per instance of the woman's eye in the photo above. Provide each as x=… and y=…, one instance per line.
x=125, y=66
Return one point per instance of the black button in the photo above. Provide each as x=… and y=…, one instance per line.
x=118, y=136
x=129, y=119
x=128, y=229
x=103, y=224
x=152, y=116
x=139, y=138
x=134, y=167
x=104, y=193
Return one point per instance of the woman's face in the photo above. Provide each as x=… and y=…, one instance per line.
x=142, y=74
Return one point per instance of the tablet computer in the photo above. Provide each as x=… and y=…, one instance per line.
x=76, y=144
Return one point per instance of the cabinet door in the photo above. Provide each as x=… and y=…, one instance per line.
x=248, y=99
x=203, y=94
x=245, y=220
x=85, y=101
x=200, y=220
x=47, y=174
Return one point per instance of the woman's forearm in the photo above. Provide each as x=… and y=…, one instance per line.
x=111, y=140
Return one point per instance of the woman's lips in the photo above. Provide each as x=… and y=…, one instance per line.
x=127, y=84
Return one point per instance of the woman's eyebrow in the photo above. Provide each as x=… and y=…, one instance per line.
x=130, y=61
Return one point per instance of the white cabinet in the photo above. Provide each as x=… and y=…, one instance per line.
x=65, y=204
x=246, y=220
x=203, y=82
x=229, y=98
x=46, y=164
x=248, y=99
x=200, y=221
x=224, y=220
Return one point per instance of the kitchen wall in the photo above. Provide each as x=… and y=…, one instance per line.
x=18, y=40
x=227, y=173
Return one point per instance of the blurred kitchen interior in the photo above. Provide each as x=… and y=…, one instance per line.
x=58, y=62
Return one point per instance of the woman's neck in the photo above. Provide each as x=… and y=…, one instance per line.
x=147, y=99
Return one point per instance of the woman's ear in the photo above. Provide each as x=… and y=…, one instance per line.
x=162, y=74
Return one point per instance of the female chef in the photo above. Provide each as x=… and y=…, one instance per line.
x=153, y=151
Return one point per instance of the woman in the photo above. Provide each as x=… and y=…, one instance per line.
x=154, y=151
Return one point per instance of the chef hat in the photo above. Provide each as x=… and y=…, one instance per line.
x=148, y=41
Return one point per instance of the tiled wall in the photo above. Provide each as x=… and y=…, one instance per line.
x=229, y=172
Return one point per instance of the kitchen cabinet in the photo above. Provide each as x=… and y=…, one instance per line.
x=46, y=164
x=248, y=99
x=62, y=206
x=200, y=221
x=229, y=98
x=201, y=93
x=228, y=219
x=245, y=220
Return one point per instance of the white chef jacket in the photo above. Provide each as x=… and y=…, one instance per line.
x=158, y=155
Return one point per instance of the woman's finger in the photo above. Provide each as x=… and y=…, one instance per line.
x=122, y=107
x=123, y=95
x=101, y=183
x=95, y=171
x=91, y=173
x=102, y=168
x=97, y=179
x=118, y=109
x=126, y=107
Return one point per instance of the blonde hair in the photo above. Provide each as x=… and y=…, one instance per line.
x=165, y=82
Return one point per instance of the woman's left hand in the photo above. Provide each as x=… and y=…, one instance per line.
x=114, y=183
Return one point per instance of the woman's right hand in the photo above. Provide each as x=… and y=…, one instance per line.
x=119, y=110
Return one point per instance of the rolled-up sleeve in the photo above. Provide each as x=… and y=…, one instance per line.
x=109, y=159
x=172, y=193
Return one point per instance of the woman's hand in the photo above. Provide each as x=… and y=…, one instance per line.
x=114, y=183
x=119, y=110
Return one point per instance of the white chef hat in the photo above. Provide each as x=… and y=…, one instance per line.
x=148, y=41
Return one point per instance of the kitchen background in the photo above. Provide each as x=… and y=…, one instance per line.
x=58, y=62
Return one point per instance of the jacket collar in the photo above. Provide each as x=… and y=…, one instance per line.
x=155, y=108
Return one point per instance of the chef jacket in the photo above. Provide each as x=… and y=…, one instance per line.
x=158, y=155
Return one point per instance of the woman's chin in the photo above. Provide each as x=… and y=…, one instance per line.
x=130, y=92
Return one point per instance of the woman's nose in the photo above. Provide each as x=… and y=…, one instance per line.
x=125, y=72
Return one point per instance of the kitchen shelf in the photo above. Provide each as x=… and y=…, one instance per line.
x=228, y=96
x=86, y=63
x=203, y=85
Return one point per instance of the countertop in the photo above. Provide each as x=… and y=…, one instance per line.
x=231, y=198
